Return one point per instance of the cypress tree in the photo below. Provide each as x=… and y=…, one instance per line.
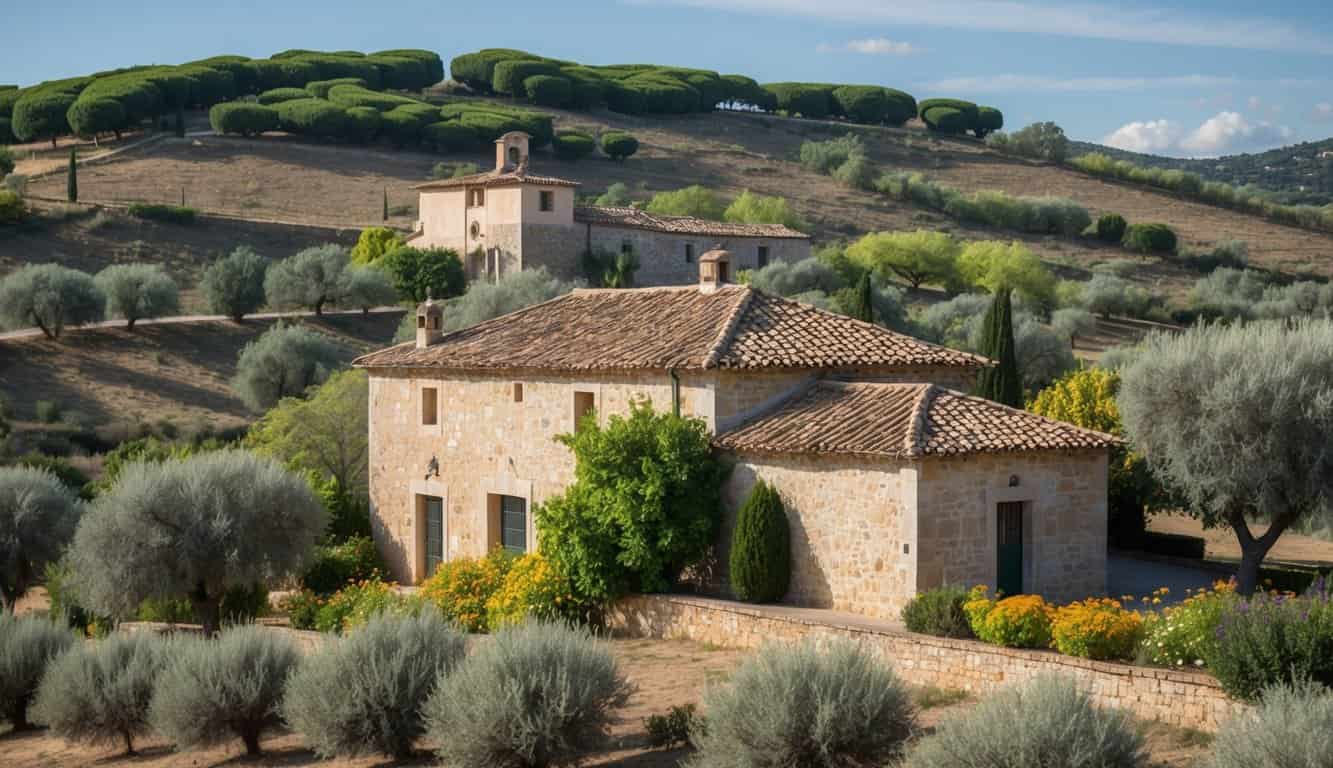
x=180, y=121
x=1001, y=383
x=864, y=306
x=761, y=548
x=72, y=178
x=386, y=204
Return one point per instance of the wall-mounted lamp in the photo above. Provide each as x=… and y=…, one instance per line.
x=432, y=468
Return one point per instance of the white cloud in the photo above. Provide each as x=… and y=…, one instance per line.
x=1322, y=112
x=874, y=46
x=1153, y=136
x=1222, y=134
x=1087, y=20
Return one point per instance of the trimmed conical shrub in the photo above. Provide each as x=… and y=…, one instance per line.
x=1002, y=382
x=761, y=548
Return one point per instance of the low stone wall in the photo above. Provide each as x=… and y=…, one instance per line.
x=1178, y=698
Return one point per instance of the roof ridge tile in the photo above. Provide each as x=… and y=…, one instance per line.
x=729, y=330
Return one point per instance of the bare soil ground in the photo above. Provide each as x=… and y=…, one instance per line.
x=178, y=372
x=665, y=673
x=1220, y=543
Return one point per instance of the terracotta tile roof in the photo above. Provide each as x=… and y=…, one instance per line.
x=661, y=328
x=902, y=421
x=518, y=175
x=634, y=218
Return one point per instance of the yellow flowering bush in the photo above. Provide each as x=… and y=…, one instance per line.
x=460, y=588
x=1181, y=635
x=1096, y=628
x=349, y=607
x=1021, y=621
x=532, y=588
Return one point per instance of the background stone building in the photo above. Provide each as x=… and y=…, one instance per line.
x=508, y=219
x=894, y=481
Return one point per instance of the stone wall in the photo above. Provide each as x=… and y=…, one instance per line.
x=1182, y=699
x=662, y=255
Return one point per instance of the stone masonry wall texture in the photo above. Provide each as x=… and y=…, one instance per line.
x=1182, y=699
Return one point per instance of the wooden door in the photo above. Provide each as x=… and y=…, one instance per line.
x=434, y=533
x=1009, y=548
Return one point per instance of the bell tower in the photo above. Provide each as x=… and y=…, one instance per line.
x=511, y=151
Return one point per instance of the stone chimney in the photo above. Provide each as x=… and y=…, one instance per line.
x=511, y=151
x=714, y=269
x=430, y=323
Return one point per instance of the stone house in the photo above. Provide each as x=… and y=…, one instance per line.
x=507, y=219
x=894, y=480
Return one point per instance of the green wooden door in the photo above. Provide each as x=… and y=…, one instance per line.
x=1009, y=548
x=514, y=524
x=434, y=533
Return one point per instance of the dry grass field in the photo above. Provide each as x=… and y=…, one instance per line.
x=175, y=372
x=665, y=673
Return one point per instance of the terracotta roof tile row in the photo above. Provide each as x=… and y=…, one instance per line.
x=634, y=218
x=518, y=175
x=902, y=421
x=664, y=328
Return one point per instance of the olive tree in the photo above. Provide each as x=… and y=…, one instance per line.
x=368, y=287
x=37, y=519
x=312, y=278
x=234, y=284
x=138, y=291
x=49, y=297
x=283, y=362
x=1236, y=420
x=192, y=528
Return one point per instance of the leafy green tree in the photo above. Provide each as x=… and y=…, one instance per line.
x=694, y=200
x=72, y=177
x=283, y=362
x=760, y=557
x=234, y=284
x=1001, y=382
x=50, y=297
x=7, y=160
x=368, y=287
x=1042, y=141
x=750, y=208
x=325, y=433
x=138, y=291
x=917, y=257
x=42, y=115
x=418, y=272
x=193, y=528
x=1235, y=419
x=994, y=265
x=312, y=278
x=37, y=519
x=373, y=243
x=645, y=503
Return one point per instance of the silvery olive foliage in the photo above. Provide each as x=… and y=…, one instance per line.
x=28, y=644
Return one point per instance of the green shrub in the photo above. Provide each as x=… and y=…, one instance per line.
x=373, y=243
x=47, y=411
x=862, y=103
x=337, y=565
x=675, y=727
x=760, y=558
x=532, y=589
x=234, y=284
x=946, y=120
x=28, y=644
x=462, y=587
x=805, y=99
x=856, y=173
x=213, y=690
x=365, y=693
x=1111, y=228
x=171, y=214
x=556, y=680
x=1291, y=726
x=90, y=117
x=12, y=208
x=573, y=145
x=1046, y=722
x=357, y=603
x=938, y=612
x=508, y=76
x=279, y=95
x=242, y=118
x=100, y=693
x=1021, y=621
x=347, y=95
x=450, y=136
x=283, y=362
x=302, y=609
x=361, y=125
x=320, y=88
x=402, y=126
x=825, y=156
x=970, y=112
x=313, y=117
x=989, y=120
x=796, y=705
x=619, y=145
x=1270, y=640
x=695, y=200
x=548, y=90
x=418, y=272
x=1150, y=238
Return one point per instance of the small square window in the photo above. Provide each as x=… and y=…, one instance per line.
x=477, y=198
x=546, y=198
x=583, y=405
x=518, y=391
x=689, y=253
x=763, y=256
x=626, y=247
x=430, y=406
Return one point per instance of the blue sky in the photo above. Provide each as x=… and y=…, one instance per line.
x=1186, y=79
